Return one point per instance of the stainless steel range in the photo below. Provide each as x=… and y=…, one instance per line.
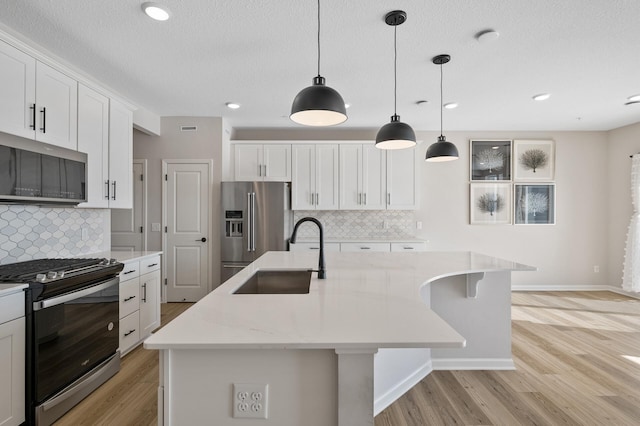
x=71, y=330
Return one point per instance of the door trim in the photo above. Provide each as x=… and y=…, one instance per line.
x=145, y=195
x=165, y=170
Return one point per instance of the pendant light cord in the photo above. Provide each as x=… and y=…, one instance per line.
x=395, y=70
x=440, y=99
x=318, y=38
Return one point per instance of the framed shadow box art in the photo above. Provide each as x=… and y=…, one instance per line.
x=534, y=204
x=533, y=160
x=490, y=203
x=490, y=160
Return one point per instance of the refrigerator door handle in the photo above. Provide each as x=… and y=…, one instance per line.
x=253, y=221
x=249, y=221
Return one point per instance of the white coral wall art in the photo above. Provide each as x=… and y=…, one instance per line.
x=534, y=204
x=490, y=160
x=533, y=160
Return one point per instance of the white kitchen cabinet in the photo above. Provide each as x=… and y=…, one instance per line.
x=362, y=177
x=105, y=133
x=328, y=247
x=139, y=301
x=93, y=139
x=314, y=178
x=409, y=246
x=38, y=102
x=402, y=179
x=263, y=162
x=120, y=184
x=18, y=89
x=12, y=359
x=365, y=247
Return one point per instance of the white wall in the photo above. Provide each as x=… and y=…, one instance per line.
x=623, y=142
x=565, y=253
x=205, y=143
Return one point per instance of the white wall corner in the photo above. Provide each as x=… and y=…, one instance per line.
x=146, y=121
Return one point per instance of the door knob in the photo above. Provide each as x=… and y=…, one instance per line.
x=203, y=239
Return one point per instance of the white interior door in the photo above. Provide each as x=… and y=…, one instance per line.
x=127, y=225
x=187, y=222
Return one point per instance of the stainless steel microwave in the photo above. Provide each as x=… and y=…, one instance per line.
x=37, y=173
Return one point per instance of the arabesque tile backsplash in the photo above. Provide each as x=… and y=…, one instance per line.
x=350, y=224
x=33, y=232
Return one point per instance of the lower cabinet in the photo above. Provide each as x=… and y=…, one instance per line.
x=363, y=246
x=139, y=301
x=12, y=350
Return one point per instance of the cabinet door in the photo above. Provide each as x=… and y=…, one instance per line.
x=149, y=303
x=401, y=179
x=374, y=174
x=248, y=162
x=327, y=177
x=120, y=156
x=93, y=139
x=276, y=163
x=57, y=107
x=351, y=197
x=303, y=185
x=12, y=349
x=18, y=92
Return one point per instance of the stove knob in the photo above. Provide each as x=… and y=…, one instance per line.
x=52, y=274
x=60, y=274
x=41, y=277
x=113, y=261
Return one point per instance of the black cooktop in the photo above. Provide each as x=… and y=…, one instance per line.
x=28, y=270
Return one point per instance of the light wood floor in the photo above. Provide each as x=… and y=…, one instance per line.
x=577, y=356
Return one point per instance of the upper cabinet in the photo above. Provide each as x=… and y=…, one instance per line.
x=120, y=182
x=263, y=162
x=314, y=179
x=37, y=102
x=362, y=177
x=402, y=179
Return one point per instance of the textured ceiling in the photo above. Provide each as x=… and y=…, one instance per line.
x=261, y=53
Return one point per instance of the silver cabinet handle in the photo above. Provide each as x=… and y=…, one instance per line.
x=114, y=190
x=359, y=198
x=106, y=182
x=388, y=198
x=259, y=169
x=365, y=198
x=265, y=170
x=144, y=292
x=365, y=248
x=44, y=120
x=129, y=332
x=129, y=298
x=33, y=116
x=317, y=199
x=155, y=264
x=129, y=272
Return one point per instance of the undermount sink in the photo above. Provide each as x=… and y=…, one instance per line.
x=277, y=282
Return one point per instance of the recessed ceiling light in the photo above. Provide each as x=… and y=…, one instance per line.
x=450, y=105
x=156, y=11
x=542, y=97
x=232, y=105
x=634, y=98
x=487, y=36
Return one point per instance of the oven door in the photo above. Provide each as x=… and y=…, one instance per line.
x=74, y=332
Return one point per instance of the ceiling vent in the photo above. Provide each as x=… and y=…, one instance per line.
x=188, y=128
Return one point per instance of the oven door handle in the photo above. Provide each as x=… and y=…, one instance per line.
x=74, y=295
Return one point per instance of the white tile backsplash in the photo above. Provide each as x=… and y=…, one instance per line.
x=33, y=232
x=352, y=224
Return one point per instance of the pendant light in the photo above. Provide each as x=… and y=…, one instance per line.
x=318, y=105
x=441, y=150
x=396, y=134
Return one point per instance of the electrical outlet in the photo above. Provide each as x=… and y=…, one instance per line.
x=418, y=225
x=596, y=268
x=155, y=227
x=85, y=233
x=250, y=400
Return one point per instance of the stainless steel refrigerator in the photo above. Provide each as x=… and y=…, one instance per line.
x=256, y=218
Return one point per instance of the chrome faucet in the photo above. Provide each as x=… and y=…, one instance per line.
x=321, y=268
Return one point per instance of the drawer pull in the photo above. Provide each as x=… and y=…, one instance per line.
x=130, y=332
x=408, y=248
x=153, y=264
x=314, y=248
x=129, y=272
x=129, y=298
x=365, y=248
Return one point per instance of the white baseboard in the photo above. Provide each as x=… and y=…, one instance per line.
x=401, y=388
x=473, y=364
x=555, y=287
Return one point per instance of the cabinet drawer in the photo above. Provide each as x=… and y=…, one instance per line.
x=11, y=307
x=131, y=270
x=314, y=247
x=366, y=247
x=409, y=247
x=149, y=264
x=129, y=331
x=129, y=296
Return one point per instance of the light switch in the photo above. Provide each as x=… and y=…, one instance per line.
x=155, y=227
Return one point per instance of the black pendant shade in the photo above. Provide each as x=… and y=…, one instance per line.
x=441, y=150
x=396, y=134
x=318, y=105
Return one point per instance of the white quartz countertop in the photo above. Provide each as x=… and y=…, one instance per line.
x=368, y=300
x=124, y=256
x=7, y=289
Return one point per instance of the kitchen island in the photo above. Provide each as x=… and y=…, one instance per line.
x=342, y=352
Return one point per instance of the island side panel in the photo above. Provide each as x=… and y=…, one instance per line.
x=485, y=321
x=303, y=386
